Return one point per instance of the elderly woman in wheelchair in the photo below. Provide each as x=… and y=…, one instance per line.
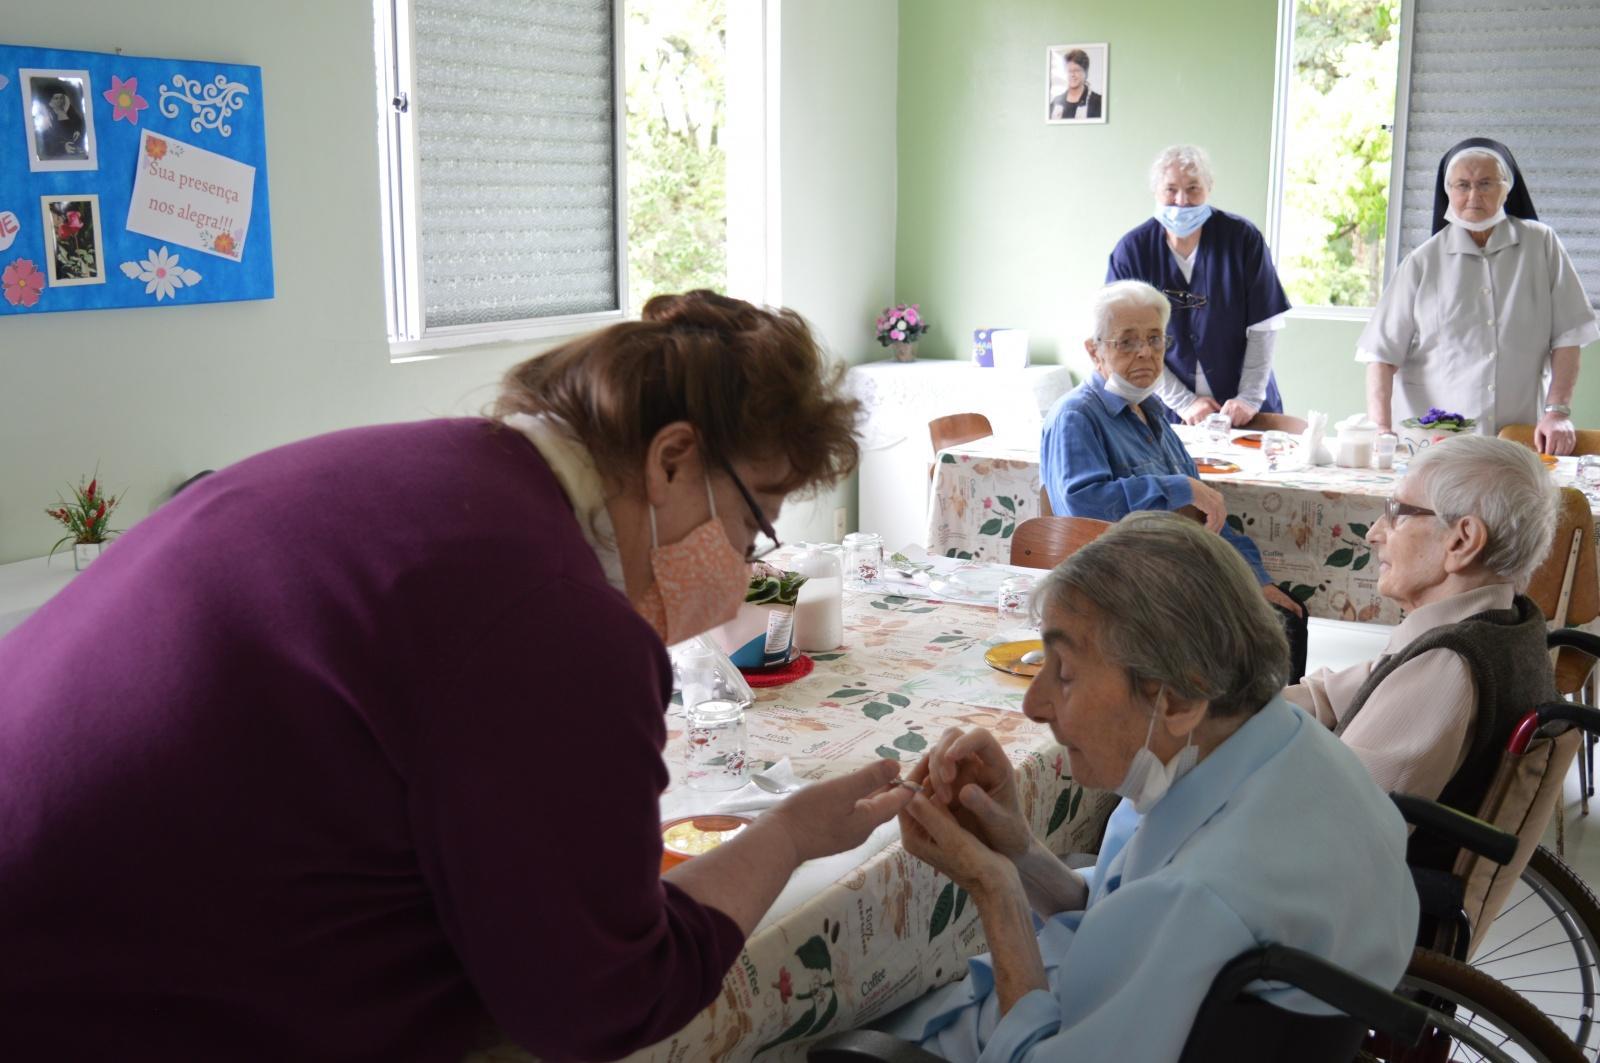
x=1258, y=826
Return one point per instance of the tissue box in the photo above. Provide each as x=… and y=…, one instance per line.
x=982, y=347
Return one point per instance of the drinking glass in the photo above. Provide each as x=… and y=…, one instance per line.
x=863, y=559
x=1014, y=600
x=1589, y=474
x=1383, y=449
x=1219, y=426
x=1275, y=449
x=716, y=757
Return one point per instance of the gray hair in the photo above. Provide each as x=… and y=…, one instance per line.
x=1115, y=296
x=1187, y=158
x=1192, y=619
x=1500, y=164
x=1504, y=485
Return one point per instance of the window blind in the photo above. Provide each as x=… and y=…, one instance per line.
x=516, y=159
x=1525, y=76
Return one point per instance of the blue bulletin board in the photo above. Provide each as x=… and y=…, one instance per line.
x=127, y=181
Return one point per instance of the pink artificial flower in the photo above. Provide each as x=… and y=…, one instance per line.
x=22, y=282
x=125, y=99
x=911, y=316
x=896, y=335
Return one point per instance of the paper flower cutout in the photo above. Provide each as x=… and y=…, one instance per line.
x=161, y=273
x=124, y=97
x=155, y=147
x=225, y=244
x=23, y=283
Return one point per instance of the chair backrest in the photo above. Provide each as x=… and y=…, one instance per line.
x=1565, y=586
x=1521, y=800
x=1588, y=438
x=958, y=428
x=1276, y=422
x=1044, y=542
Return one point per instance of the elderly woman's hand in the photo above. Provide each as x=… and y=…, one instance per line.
x=1555, y=434
x=930, y=833
x=968, y=773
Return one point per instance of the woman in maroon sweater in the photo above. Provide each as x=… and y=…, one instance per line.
x=353, y=749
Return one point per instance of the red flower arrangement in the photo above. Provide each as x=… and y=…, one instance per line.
x=87, y=517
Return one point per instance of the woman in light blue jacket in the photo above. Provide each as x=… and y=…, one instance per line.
x=1258, y=825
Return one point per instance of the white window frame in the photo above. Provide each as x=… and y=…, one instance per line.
x=1283, y=82
x=409, y=336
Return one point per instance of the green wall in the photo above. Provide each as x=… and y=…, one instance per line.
x=1004, y=220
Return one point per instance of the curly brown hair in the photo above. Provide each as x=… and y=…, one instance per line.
x=751, y=381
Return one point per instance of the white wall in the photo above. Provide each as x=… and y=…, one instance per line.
x=155, y=395
x=837, y=172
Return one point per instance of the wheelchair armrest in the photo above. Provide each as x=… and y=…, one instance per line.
x=1379, y=1008
x=1574, y=639
x=1581, y=716
x=1469, y=832
x=866, y=1046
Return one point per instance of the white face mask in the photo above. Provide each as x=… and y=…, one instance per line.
x=1148, y=780
x=1123, y=388
x=1485, y=225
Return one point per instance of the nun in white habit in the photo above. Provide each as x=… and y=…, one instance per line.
x=1485, y=319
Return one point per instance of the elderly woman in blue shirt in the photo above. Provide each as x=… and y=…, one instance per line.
x=1259, y=826
x=1108, y=449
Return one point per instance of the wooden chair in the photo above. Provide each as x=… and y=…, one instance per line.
x=1588, y=438
x=1276, y=422
x=1045, y=509
x=1566, y=589
x=1043, y=542
x=958, y=428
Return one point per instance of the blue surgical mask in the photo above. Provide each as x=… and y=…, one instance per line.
x=1181, y=221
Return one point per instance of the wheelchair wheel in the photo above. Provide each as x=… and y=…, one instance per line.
x=1545, y=944
x=1476, y=1018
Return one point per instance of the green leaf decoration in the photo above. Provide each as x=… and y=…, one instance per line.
x=1005, y=500
x=1340, y=558
x=947, y=459
x=1358, y=530
x=896, y=599
x=1235, y=523
x=898, y=700
x=1007, y=531
x=888, y=754
x=814, y=954
x=879, y=605
x=991, y=526
x=1302, y=592
x=1361, y=562
x=799, y=1029
x=928, y=609
x=961, y=902
x=941, y=910
x=911, y=742
x=827, y=1014
x=877, y=710
x=1077, y=796
x=850, y=692
x=948, y=638
x=1061, y=812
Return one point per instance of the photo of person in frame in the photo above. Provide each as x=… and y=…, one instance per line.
x=72, y=233
x=60, y=130
x=1073, y=72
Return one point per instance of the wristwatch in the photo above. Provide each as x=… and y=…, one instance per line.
x=1558, y=407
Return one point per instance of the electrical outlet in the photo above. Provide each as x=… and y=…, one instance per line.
x=840, y=518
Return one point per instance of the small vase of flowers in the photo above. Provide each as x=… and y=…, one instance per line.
x=899, y=328
x=762, y=635
x=87, y=519
x=1435, y=426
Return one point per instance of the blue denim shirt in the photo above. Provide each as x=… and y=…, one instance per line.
x=1097, y=459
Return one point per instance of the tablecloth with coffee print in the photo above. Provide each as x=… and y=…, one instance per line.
x=1309, y=523
x=892, y=928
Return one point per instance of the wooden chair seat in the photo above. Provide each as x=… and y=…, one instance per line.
x=1044, y=542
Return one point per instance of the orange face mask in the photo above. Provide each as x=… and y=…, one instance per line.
x=699, y=580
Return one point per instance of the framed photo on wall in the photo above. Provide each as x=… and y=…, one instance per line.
x=74, y=249
x=1076, y=77
x=58, y=119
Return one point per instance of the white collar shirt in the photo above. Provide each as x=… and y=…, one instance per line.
x=1470, y=329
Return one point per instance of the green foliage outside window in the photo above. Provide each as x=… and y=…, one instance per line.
x=1338, y=149
x=677, y=199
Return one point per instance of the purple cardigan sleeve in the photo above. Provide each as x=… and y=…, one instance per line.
x=535, y=811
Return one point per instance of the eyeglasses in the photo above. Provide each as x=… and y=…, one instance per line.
x=1394, y=509
x=1487, y=184
x=1184, y=300
x=766, y=540
x=1133, y=344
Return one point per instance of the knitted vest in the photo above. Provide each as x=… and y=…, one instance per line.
x=1510, y=663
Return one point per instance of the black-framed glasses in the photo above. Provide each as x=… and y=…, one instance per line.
x=1184, y=300
x=1133, y=344
x=766, y=540
x=1394, y=509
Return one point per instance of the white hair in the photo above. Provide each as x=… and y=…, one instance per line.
x=1120, y=294
x=1187, y=158
x=1504, y=485
x=1500, y=163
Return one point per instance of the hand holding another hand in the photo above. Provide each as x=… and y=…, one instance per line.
x=836, y=815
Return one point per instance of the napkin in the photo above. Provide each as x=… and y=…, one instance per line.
x=747, y=799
